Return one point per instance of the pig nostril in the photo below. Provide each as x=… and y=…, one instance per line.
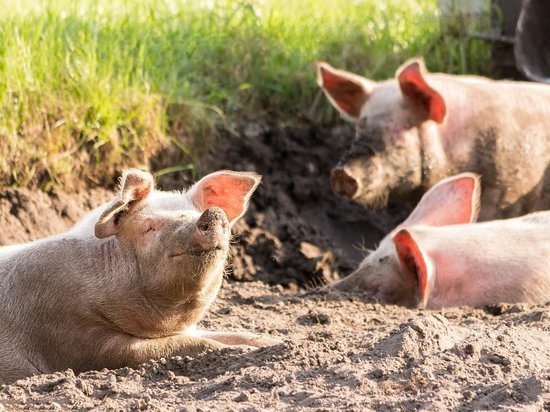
x=343, y=183
x=203, y=226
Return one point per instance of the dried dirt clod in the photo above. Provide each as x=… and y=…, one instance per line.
x=472, y=349
x=421, y=336
x=243, y=397
x=315, y=318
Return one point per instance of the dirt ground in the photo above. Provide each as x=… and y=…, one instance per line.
x=340, y=351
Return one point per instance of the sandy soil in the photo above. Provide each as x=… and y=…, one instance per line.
x=339, y=351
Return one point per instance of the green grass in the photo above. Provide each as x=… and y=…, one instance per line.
x=89, y=85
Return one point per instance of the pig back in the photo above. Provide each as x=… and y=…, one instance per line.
x=491, y=262
x=500, y=130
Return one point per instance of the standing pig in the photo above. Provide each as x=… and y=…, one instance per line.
x=438, y=258
x=415, y=130
x=127, y=288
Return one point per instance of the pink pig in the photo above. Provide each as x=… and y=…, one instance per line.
x=438, y=258
x=419, y=128
x=127, y=284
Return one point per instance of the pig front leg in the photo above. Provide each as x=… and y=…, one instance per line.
x=238, y=338
x=123, y=351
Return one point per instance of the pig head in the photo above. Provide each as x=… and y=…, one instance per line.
x=127, y=288
x=438, y=257
x=419, y=128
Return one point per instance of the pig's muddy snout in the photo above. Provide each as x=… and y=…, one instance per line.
x=211, y=231
x=343, y=182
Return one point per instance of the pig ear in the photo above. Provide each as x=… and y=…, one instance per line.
x=346, y=91
x=227, y=190
x=416, y=90
x=135, y=187
x=415, y=264
x=452, y=201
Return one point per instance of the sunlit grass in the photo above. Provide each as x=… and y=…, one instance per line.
x=87, y=86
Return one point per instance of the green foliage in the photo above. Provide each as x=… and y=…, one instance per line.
x=89, y=85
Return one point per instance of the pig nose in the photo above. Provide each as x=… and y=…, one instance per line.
x=211, y=228
x=212, y=218
x=343, y=182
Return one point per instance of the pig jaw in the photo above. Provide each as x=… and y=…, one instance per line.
x=167, y=303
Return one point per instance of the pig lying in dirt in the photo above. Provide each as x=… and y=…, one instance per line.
x=125, y=285
x=438, y=258
x=419, y=128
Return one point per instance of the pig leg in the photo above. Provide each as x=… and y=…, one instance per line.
x=123, y=351
x=17, y=367
x=238, y=338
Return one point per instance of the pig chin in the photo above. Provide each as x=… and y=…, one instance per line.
x=200, y=267
x=373, y=198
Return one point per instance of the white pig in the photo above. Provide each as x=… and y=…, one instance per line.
x=438, y=258
x=127, y=284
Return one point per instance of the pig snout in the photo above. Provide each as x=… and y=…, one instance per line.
x=211, y=228
x=343, y=182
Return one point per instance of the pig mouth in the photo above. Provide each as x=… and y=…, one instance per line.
x=197, y=252
x=374, y=199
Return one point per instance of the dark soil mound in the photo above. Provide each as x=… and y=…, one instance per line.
x=297, y=231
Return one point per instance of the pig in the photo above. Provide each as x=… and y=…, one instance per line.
x=419, y=128
x=438, y=257
x=127, y=284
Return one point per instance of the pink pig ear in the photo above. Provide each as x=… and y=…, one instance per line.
x=452, y=201
x=135, y=187
x=227, y=190
x=415, y=264
x=417, y=91
x=346, y=91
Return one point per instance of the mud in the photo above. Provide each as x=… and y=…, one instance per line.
x=340, y=351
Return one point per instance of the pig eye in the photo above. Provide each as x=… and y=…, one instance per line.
x=149, y=226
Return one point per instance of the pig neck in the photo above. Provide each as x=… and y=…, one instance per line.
x=445, y=148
